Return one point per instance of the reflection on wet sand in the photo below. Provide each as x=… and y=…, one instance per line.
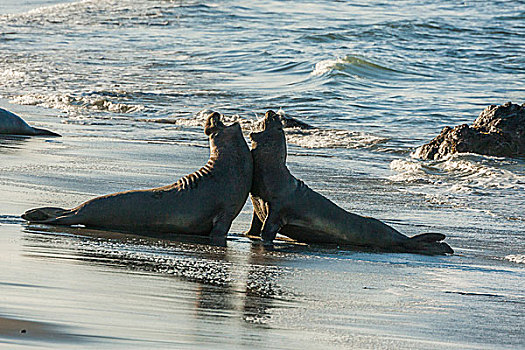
x=231, y=283
x=139, y=292
x=11, y=143
x=261, y=286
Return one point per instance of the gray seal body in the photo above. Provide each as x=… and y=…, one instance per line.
x=202, y=203
x=284, y=204
x=11, y=124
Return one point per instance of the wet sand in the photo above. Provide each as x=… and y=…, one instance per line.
x=77, y=288
x=20, y=331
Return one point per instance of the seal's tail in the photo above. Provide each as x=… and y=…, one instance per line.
x=429, y=243
x=44, y=215
x=45, y=132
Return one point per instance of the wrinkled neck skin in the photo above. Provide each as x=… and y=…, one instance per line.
x=228, y=146
x=269, y=149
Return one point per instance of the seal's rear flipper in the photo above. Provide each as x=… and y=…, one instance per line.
x=45, y=132
x=429, y=243
x=44, y=214
x=428, y=237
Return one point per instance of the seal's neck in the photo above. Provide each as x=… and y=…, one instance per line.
x=270, y=174
x=229, y=150
x=264, y=159
x=269, y=150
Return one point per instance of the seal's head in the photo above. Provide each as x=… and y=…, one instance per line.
x=270, y=124
x=223, y=136
x=269, y=139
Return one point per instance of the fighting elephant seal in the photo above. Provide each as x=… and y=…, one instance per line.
x=202, y=203
x=12, y=124
x=285, y=204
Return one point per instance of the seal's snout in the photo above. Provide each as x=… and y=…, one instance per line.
x=271, y=119
x=213, y=123
x=213, y=119
x=270, y=114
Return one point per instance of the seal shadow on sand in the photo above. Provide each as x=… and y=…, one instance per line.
x=14, y=330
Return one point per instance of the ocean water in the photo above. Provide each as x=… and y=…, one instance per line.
x=125, y=82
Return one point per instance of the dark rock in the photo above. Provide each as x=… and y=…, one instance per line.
x=498, y=131
x=289, y=122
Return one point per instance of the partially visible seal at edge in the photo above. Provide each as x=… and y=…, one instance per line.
x=11, y=124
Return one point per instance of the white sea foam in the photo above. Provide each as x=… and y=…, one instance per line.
x=307, y=138
x=10, y=75
x=409, y=171
x=516, y=258
x=70, y=103
x=331, y=138
x=199, y=119
x=482, y=175
x=463, y=171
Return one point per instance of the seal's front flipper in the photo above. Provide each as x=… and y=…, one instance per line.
x=221, y=226
x=429, y=243
x=256, y=226
x=40, y=215
x=219, y=241
x=271, y=225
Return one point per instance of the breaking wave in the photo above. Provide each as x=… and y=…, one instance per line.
x=491, y=185
x=354, y=65
x=199, y=119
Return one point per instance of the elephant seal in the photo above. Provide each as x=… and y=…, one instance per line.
x=283, y=203
x=12, y=124
x=202, y=203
